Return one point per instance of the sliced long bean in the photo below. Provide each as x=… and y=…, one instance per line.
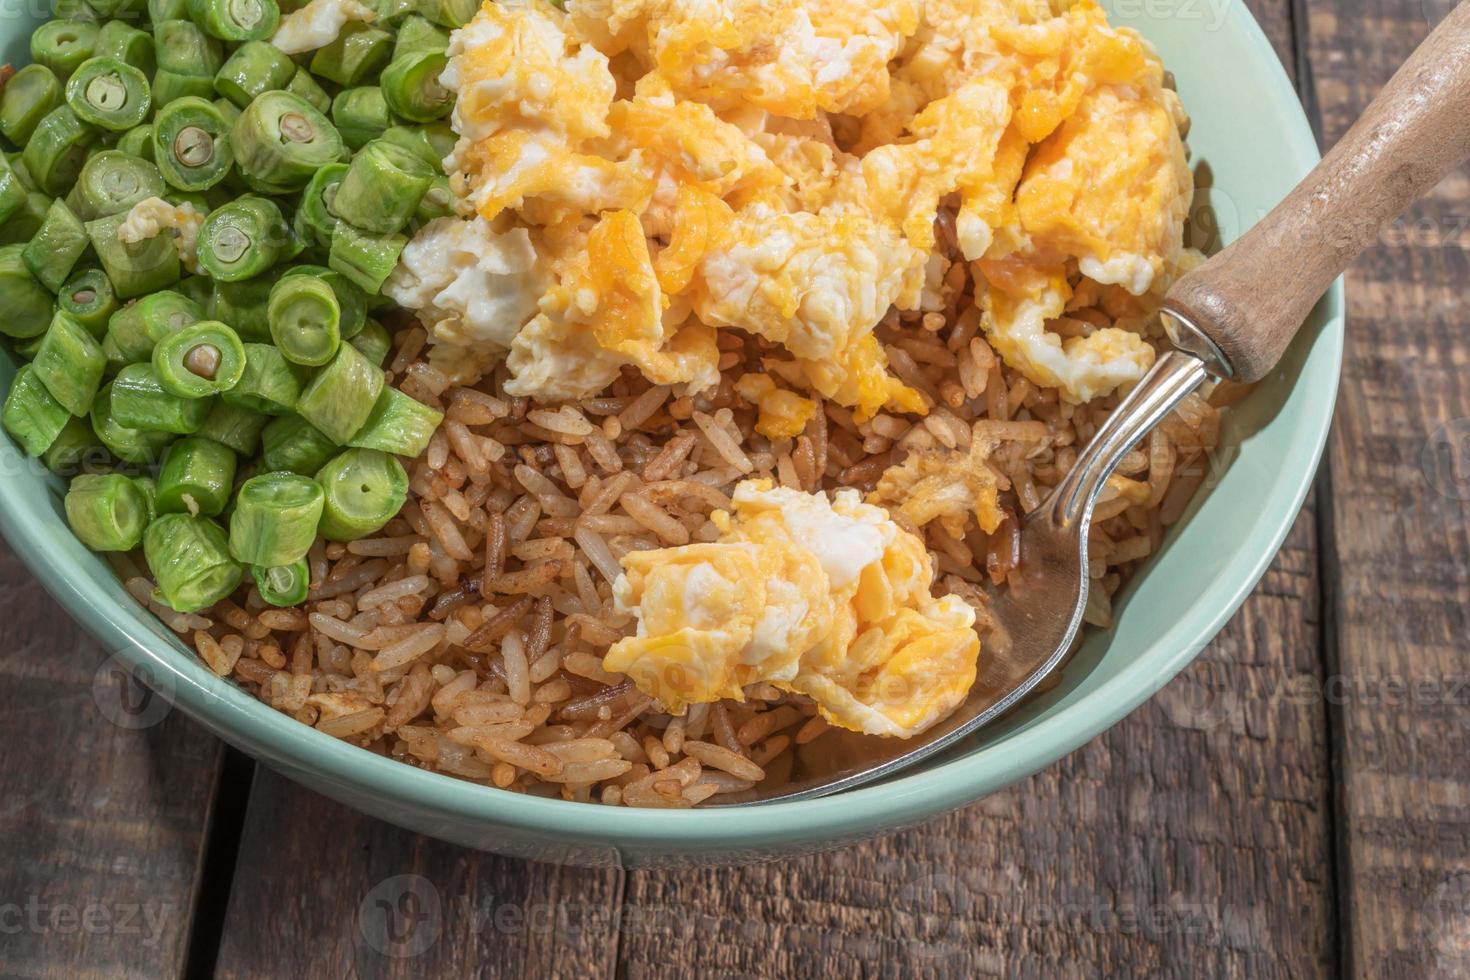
x=192, y=144
x=138, y=326
x=280, y=140
x=364, y=490
x=121, y=40
x=88, y=298
x=417, y=33
x=183, y=47
x=242, y=239
x=412, y=89
x=253, y=68
x=27, y=97
x=51, y=254
x=305, y=320
x=308, y=88
x=351, y=300
x=382, y=188
x=69, y=363
x=315, y=220
x=275, y=519
x=30, y=414
x=340, y=398
x=238, y=428
x=139, y=401
x=170, y=86
x=243, y=305
x=190, y=560
x=360, y=114
x=196, y=477
x=293, y=445
x=354, y=56
x=56, y=150
x=73, y=448
x=373, y=342
x=143, y=447
x=363, y=257
x=107, y=512
x=399, y=424
x=62, y=45
x=111, y=182
x=135, y=268
x=270, y=384
x=283, y=585
x=24, y=222
x=109, y=94
x=24, y=300
x=203, y=359
x=236, y=20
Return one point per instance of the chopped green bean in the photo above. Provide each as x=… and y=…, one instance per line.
x=22, y=225
x=203, y=359
x=242, y=239
x=111, y=182
x=305, y=320
x=360, y=114
x=162, y=10
x=414, y=139
x=148, y=487
x=57, y=149
x=238, y=428
x=449, y=13
x=228, y=109
x=107, y=512
x=171, y=86
x=315, y=220
x=88, y=298
x=190, y=560
x=142, y=447
x=437, y=202
x=419, y=34
x=139, y=401
x=196, y=477
x=382, y=188
x=236, y=20
x=279, y=141
x=351, y=300
x=62, y=45
x=254, y=67
x=109, y=94
x=293, y=445
x=56, y=247
x=341, y=396
x=135, y=268
x=18, y=167
x=364, y=258
x=183, y=47
x=354, y=56
x=303, y=85
x=30, y=414
x=400, y=425
x=364, y=490
x=243, y=305
x=138, y=142
x=275, y=519
x=192, y=144
x=26, y=302
x=139, y=326
x=75, y=447
x=270, y=384
x=27, y=97
x=412, y=88
x=69, y=363
x=121, y=40
x=198, y=289
x=373, y=342
x=283, y=585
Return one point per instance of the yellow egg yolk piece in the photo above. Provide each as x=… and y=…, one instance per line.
x=824, y=597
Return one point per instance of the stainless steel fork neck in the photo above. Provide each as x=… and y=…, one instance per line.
x=1173, y=376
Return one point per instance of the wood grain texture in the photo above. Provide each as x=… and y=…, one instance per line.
x=104, y=801
x=1397, y=553
x=324, y=891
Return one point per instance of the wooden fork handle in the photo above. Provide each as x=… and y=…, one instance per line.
x=1252, y=297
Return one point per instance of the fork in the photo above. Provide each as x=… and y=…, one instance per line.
x=1232, y=318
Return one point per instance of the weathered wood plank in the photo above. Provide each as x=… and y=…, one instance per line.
x=324, y=891
x=1397, y=544
x=104, y=794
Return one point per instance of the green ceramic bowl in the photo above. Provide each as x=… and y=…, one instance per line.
x=1249, y=131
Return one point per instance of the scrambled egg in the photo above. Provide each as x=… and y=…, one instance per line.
x=828, y=598
x=947, y=485
x=777, y=167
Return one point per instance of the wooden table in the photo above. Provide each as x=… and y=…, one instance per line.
x=1317, y=822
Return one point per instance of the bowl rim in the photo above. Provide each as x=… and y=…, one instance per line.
x=905, y=799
